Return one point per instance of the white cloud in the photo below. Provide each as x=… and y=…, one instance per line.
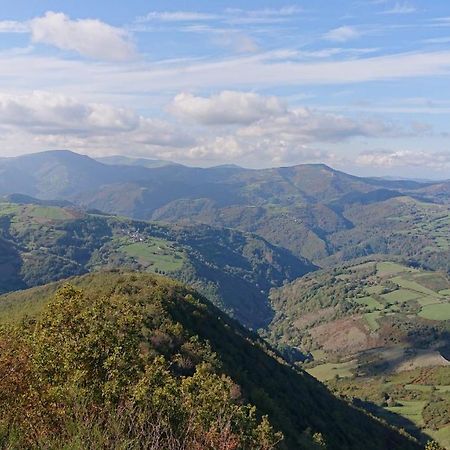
x=88, y=37
x=260, y=130
x=254, y=153
x=388, y=159
x=43, y=112
x=342, y=34
x=238, y=16
x=12, y=26
x=306, y=126
x=227, y=107
x=230, y=16
x=267, y=132
x=267, y=12
x=49, y=117
x=401, y=8
x=175, y=16
x=256, y=72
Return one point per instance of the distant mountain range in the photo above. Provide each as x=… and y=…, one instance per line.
x=305, y=208
x=118, y=160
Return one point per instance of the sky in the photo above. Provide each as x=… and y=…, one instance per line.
x=360, y=85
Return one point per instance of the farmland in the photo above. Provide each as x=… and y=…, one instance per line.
x=417, y=400
x=375, y=331
x=155, y=255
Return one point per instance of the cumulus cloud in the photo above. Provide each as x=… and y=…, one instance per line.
x=88, y=37
x=342, y=34
x=61, y=119
x=227, y=107
x=267, y=151
x=264, y=129
x=243, y=127
x=43, y=112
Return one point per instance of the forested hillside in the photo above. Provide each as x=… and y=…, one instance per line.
x=235, y=270
x=347, y=277
x=132, y=360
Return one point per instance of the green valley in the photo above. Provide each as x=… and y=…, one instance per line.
x=236, y=270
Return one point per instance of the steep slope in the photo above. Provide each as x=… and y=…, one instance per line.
x=235, y=270
x=179, y=325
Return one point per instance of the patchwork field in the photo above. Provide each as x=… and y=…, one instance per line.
x=398, y=368
x=417, y=400
x=425, y=294
x=365, y=319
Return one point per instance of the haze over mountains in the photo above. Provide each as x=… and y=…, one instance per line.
x=303, y=208
x=67, y=174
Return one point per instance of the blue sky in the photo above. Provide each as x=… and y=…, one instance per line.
x=361, y=85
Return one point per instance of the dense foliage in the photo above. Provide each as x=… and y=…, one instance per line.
x=235, y=270
x=129, y=359
x=115, y=372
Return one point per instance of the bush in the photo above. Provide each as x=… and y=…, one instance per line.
x=117, y=372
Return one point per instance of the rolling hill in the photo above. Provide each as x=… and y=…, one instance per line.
x=385, y=315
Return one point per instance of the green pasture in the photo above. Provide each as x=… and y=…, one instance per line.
x=400, y=295
x=411, y=409
x=386, y=268
x=155, y=255
x=370, y=302
x=328, y=371
x=371, y=319
x=436, y=311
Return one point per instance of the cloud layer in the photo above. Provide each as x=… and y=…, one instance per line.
x=229, y=125
x=394, y=159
